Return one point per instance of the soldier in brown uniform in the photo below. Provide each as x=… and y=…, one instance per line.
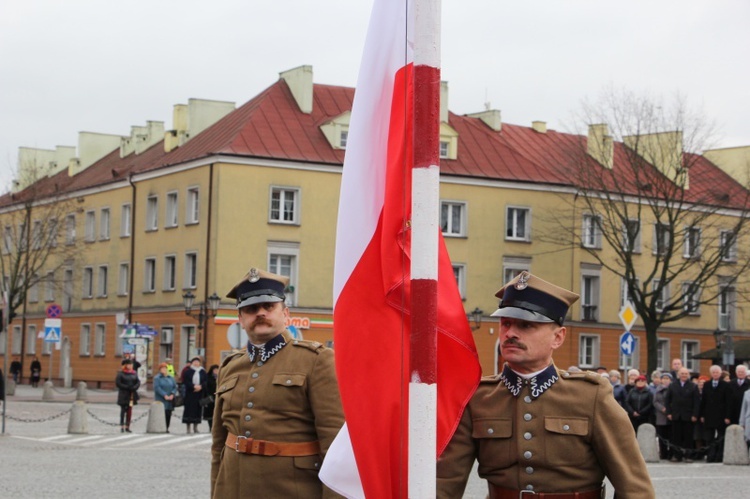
x=536, y=429
x=277, y=403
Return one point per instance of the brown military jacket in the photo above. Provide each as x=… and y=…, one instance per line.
x=557, y=435
x=291, y=396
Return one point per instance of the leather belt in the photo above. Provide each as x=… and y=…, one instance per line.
x=503, y=493
x=246, y=445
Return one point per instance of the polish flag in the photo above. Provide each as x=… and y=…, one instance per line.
x=372, y=298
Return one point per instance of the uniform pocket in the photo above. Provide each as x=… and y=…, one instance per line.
x=289, y=379
x=495, y=445
x=566, y=440
x=307, y=462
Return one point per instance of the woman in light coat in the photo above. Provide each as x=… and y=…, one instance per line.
x=745, y=416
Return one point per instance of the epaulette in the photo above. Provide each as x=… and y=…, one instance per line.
x=490, y=380
x=313, y=346
x=589, y=376
x=235, y=354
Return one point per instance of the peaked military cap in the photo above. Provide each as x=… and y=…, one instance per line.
x=533, y=299
x=259, y=286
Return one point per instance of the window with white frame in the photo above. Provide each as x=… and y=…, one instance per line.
x=692, y=245
x=46, y=348
x=149, y=275
x=34, y=289
x=591, y=235
x=725, y=307
x=101, y=290
x=662, y=294
x=282, y=259
x=691, y=294
x=453, y=218
x=123, y=279
x=36, y=235
x=171, y=214
x=631, y=361
x=125, y=219
x=625, y=295
x=688, y=349
x=517, y=223
x=631, y=231
x=728, y=246
x=31, y=339
x=90, y=227
x=170, y=264
x=662, y=239
x=117, y=340
x=152, y=213
x=284, y=205
x=444, y=148
x=22, y=236
x=590, y=294
x=512, y=266
x=588, y=351
x=343, y=138
x=104, y=224
x=68, y=290
x=49, y=287
x=70, y=229
x=2, y=342
x=52, y=232
x=191, y=270
x=100, y=337
x=84, y=348
x=8, y=245
x=459, y=272
x=87, y=290
x=192, y=207
x=663, y=359
x=15, y=347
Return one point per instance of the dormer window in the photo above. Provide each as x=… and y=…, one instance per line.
x=444, y=144
x=343, y=138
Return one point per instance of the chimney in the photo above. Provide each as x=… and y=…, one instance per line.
x=664, y=151
x=539, y=126
x=142, y=137
x=734, y=161
x=600, y=145
x=443, y=102
x=491, y=118
x=35, y=164
x=91, y=148
x=300, y=82
x=191, y=119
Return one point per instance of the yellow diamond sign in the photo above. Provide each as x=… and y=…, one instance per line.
x=628, y=316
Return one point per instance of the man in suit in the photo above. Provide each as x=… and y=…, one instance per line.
x=683, y=406
x=714, y=414
x=737, y=389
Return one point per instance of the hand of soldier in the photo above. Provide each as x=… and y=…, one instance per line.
x=669, y=417
x=693, y=419
x=703, y=420
x=726, y=421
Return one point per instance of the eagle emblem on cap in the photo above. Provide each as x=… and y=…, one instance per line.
x=523, y=281
x=254, y=275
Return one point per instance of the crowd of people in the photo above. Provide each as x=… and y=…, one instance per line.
x=35, y=371
x=690, y=411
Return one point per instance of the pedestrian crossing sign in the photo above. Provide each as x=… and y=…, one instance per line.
x=52, y=330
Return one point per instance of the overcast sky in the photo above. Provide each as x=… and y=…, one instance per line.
x=103, y=66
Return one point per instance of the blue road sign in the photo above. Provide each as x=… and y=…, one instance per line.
x=627, y=343
x=51, y=334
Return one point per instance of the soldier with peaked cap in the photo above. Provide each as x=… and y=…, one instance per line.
x=535, y=429
x=277, y=403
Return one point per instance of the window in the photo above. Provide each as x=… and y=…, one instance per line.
x=191, y=271
x=2, y=342
x=444, y=148
x=123, y=280
x=31, y=340
x=452, y=218
x=88, y=282
x=726, y=303
x=691, y=294
x=100, y=336
x=728, y=246
x=282, y=260
x=104, y=224
x=691, y=248
x=631, y=361
x=125, y=217
x=662, y=239
x=34, y=289
x=53, y=232
x=631, y=231
x=36, y=235
x=15, y=347
x=152, y=213
x=171, y=215
x=170, y=262
x=90, y=228
x=70, y=229
x=8, y=245
x=49, y=287
x=101, y=290
x=662, y=295
x=688, y=348
x=68, y=290
x=46, y=348
x=84, y=348
x=117, y=340
x=192, y=206
x=149, y=275
x=588, y=351
x=591, y=237
x=284, y=205
x=663, y=359
x=589, y=297
x=512, y=266
x=343, y=138
x=625, y=295
x=459, y=272
x=22, y=237
x=517, y=223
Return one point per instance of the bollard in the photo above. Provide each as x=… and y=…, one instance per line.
x=10, y=387
x=647, y=443
x=48, y=395
x=78, y=423
x=82, y=394
x=157, y=421
x=735, y=449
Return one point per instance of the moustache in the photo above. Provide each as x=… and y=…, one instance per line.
x=515, y=343
x=260, y=322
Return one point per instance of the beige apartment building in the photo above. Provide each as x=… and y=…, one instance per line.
x=160, y=213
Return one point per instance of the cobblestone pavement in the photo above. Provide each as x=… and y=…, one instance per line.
x=39, y=459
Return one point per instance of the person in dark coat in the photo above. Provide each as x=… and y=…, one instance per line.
x=15, y=369
x=660, y=420
x=714, y=414
x=36, y=372
x=639, y=403
x=194, y=379
x=737, y=389
x=683, y=405
x=208, y=409
x=127, y=393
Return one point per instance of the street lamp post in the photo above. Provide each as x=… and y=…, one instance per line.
x=476, y=316
x=725, y=344
x=205, y=311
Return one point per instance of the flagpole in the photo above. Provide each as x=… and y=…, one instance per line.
x=424, y=254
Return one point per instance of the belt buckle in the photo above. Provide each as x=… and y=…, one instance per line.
x=237, y=443
x=524, y=493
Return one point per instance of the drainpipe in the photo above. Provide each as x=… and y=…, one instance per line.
x=204, y=339
x=132, y=248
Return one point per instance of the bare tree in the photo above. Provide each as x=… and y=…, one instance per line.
x=650, y=209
